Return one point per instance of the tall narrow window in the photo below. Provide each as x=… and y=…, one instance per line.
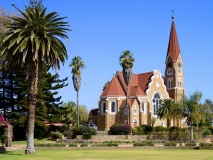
x=143, y=107
x=179, y=83
x=113, y=107
x=103, y=108
x=156, y=102
x=170, y=83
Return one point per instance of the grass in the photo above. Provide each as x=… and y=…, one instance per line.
x=24, y=142
x=116, y=154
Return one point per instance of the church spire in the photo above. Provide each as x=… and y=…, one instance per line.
x=173, y=47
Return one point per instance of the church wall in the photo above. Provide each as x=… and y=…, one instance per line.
x=156, y=86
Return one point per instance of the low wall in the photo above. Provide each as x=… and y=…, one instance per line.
x=102, y=138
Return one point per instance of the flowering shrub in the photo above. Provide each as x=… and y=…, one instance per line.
x=120, y=129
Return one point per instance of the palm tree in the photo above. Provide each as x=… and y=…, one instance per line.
x=77, y=64
x=165, y=110
x=127, y=62
x=192, y=111
x=33, y=39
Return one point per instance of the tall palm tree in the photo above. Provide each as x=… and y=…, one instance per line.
x=192, y=110
x=165, y=110
x=33, y=39
x=77, y=64
x=127, y=61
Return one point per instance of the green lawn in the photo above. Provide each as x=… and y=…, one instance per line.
x=112, y=154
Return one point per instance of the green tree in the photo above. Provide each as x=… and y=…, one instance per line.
x=165, y=110
x=31, y=40
x=193, y=111
x=77, y=64
x=127, y=61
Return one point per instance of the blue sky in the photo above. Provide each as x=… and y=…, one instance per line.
x=103, y=29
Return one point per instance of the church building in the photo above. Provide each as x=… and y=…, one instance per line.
x=145, y=92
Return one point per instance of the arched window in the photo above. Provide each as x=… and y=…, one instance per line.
x=156, y=102
x=103, y=108
x=113, y=107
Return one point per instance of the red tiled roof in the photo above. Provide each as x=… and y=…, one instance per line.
x=173, y=47
x=113, y=88
x=137, y=86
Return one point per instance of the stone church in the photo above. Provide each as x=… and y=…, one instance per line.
x=146, y=92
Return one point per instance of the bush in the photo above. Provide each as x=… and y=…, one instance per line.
x=206, y=144
x=120, y=129
x=111, y=144
x=159, y=129
x=170, y=144
x=82, y=130
x=189, y=144
x=68, y=134
x=84, y=145
x=174, y=129
x=142, y=130
x=206, y=131
x=86, y=135
x=56, y=135
x=144, y=143
x=50, y=145
x=3, y=139
x=72, y=145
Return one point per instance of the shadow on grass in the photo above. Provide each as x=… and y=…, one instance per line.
x=3, y=151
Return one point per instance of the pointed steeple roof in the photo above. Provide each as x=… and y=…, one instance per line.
x=173, y=47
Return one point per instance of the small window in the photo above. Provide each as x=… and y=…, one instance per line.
x=162, y=124
x=170, y=71
x=179, y=83
x=135, y=111
x=113, y=109
x=179, y=71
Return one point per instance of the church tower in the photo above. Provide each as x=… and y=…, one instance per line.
x=174, y=75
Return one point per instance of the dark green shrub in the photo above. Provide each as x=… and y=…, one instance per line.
x=50, y=145
x=82, y=130
x=56, y=135
x=120, y=129
x=189, y=144
x=170, y=144
x=3, y=139
x=86, y=135
x=174, y=129
x=206, y=144
x=206, y=131
x=84, y=145
x=159, y=129
x=72, y=145
x=144, y=143
x=68, y=133
x=111, y=144
x=142, y=130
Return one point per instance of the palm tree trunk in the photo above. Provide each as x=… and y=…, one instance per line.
x=128, y=110
x=32, y=100
x=77, y=110
x=191, y=132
